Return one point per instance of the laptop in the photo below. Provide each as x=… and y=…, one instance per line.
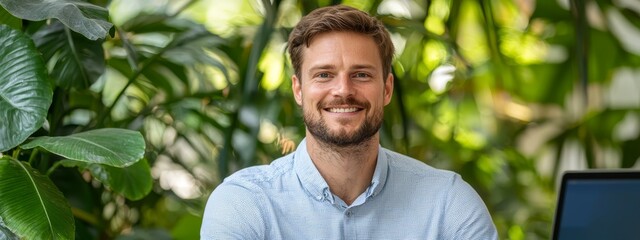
x=598, y=205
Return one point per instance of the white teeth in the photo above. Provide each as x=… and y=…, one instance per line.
x=342, y=110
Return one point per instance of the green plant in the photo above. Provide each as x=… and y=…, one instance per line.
x=31, y=205
x=529, y=96
x=152, y=73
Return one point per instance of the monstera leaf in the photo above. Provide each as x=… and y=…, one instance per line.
x=25, y=93
x=30, y=204
x=82, y=17
x=109, y=146
x=76, y=61
x=133, y=182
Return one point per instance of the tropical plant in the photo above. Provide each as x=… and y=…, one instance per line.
x=31, y=205
x=506, y=93
x=153, y=75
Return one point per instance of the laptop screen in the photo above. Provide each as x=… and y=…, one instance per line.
x=599, y=205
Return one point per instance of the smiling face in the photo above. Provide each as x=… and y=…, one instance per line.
x=342, y=89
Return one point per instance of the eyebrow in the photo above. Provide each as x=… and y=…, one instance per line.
x=331, y=66
x=322, y=67
x=363, y=66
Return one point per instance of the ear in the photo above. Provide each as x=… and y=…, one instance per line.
x=388, y=89
x=297, y=89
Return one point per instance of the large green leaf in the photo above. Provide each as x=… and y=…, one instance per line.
x=25, y=94
x=134, y=182
x=8, y=19
x=30, y=204
x=85, y=18
x=76, y=61
x=154, y=23
x=110, y=146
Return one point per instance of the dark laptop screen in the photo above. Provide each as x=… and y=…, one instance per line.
x=599, y=208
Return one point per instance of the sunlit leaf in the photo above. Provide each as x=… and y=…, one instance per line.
x=82, y=17
x=25, y=94
x=154, y=23
x=77, y=61
x=30, y=204
x=547, y=85
x=110, y=146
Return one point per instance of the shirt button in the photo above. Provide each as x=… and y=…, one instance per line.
x=319, y=197
x=348, y=213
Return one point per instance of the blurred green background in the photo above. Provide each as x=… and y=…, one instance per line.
x=508, y=93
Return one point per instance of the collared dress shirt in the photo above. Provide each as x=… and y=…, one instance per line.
x=289, y=199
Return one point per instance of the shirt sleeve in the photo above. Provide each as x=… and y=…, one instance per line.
x=467, y=216
x=233, y=212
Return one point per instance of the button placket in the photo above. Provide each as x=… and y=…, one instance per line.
x=349, y=223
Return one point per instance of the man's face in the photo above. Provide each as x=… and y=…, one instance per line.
x=342, y=89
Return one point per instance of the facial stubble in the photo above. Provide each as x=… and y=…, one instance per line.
x=317, y=126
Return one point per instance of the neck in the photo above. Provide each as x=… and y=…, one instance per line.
x=347, y=170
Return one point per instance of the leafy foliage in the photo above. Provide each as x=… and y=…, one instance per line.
x=77, y=61
x=113, y=147
x=112, y=155
x=9, y=20
x=88, y=19
x=133, y=182
x=507, y=93
x=25, y=93
x=30, y=205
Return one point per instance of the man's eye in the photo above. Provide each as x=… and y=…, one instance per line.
x=361, y=75
x=323, y=75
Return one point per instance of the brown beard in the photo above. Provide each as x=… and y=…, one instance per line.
x=319, y=129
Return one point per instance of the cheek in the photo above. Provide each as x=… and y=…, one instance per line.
x=311, y=94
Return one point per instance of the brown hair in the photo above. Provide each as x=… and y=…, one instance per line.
x=339, y=18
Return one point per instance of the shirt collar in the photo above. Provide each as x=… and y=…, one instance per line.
x=380, y=174
x=308, y=174
x=318, y=188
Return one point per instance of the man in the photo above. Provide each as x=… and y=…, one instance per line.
x=339, y=183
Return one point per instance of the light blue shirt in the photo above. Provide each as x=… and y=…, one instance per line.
x=289, y=199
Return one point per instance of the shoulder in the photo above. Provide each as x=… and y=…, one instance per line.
x=464, y=213
x=408, y=176
x=447, y=184
x=250, y=186
x=410, y=167
x=467, y=215
x=235, y=209
x=261, y=176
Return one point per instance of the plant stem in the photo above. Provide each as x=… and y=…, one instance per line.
x=53, y=168
x=133, y=77
x=33, y=156
x=16, y=153
x=83, y=215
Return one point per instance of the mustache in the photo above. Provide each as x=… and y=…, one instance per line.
x=340, y=101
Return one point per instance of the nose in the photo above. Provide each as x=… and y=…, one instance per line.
x=343, y=86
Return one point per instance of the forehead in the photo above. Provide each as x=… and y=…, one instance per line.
x=341, y=49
